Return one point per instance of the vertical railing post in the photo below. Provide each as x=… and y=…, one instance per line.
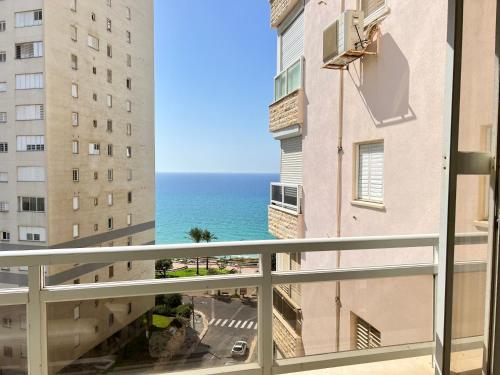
x=36, y=324
x=435, y=262
x=265, y=317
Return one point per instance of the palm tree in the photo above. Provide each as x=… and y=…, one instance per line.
x=195, y=234
x=207, y=237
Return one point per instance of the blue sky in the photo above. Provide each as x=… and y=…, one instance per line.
x=215, y=63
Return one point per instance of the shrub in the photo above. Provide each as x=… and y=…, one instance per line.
x=184, y=311
x=163, y=310
x=172, y=300
x=212, y=271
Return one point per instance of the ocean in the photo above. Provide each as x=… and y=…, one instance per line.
x=232, y=206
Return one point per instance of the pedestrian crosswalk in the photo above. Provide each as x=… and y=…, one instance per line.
x=229, y=323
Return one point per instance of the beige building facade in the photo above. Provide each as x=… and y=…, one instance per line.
x=369, y=163
x=77, y=154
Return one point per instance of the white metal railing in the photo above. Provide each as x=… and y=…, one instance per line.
x=289, y=80
x=37, y=295
x=286, y=196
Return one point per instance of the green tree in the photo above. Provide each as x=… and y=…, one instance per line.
x=162, y=266
x=207, y=237
x=195, y=234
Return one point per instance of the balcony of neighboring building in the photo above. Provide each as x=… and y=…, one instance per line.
x=285, y=219
x=286, y=113
x=280, y=9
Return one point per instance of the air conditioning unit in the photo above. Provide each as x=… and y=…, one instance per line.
x=343, y=40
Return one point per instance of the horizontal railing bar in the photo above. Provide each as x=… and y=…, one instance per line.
x=243, y=369
x=464, y=267
x=137, y=288
x=14, y=296
x=125, y=253
x=331, y=360
x=311, y=276
x=467, y=343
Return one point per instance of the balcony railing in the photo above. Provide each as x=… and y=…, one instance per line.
x=286, y=196
x=289, y=80
x=37, y=295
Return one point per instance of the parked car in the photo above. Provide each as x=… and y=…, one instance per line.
x=239, y=349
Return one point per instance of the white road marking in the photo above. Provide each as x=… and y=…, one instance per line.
x=255, y=326
x=244, y=324
x=217, y=322
x=223, y=323
x=213, y=319
x=231, y=324
x=237, y=324
x=250, y=325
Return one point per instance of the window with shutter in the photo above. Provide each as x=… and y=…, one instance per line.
x=291, y=161
x=366, y=336
x=370, y=172
x=373, y=9
x=292, y=42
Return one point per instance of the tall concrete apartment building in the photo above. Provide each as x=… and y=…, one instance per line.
x=361, y=152
x=77, y=155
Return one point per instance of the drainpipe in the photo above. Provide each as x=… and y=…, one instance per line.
x=340, y=152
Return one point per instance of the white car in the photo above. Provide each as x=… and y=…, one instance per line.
x=239, y=349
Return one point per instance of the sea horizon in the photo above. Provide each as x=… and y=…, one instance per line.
x=233, y=206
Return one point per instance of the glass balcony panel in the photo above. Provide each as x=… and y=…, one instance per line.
x=153, y=335
x=294, y=77
x=13, y=340
x=13, y=277
x=280, y=86
x=354, y=315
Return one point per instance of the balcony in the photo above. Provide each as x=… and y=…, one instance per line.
x=286, y=114
x=47, y=331
x=285, y=218
x=280, y=9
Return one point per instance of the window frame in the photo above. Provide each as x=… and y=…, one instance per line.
x=356, y=200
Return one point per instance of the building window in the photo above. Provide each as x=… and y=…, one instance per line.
x=129, y=106
x=108, y=25
x=129, y=219
x=128, y=36
x=129, y=60
x=75, y=119
x=129, y=197
x=94, y=123
x=7, y=322
x=129, y=129
x=74, y=62
x=76, y=203
x=373, y=9
x=96, y=278
x=96, y=202
x=110, y=199
x=73, y=5
x=93, y=42
x=31, y=204
x=94, y=70
x=110, y=223
x=74, y=90
x=129, y=263
x=32, y=234
x=76, y=281
x=96, y=175
x=4, y=236
x=3, y=56
x=129, y=83
x=94, y=149
x=7, y=351
x=129, y=151
x=129, y=309
x=76, y=230
x=4, y=147
x=109, y=75
x=30, y=112
x=128, y=13
x=29, y=50
x=110, y=150
x=2, y=26
x=94, y=97
x=76, y=175
x=30, y=143
x=3, y=117
x=109, y=127
x=109, y=50
x=75, y=147
x=111, y=272
x=30, y=18
x=92, y=16
x=110, y=175
x=111, y=319
x=4, y=206
x=96, y=227
x=30, y=174
x=109, y=100
x=29, y=81
x=365, y=336
x=3, y=86
x=73, y=33
x=370, y=172
x=129, y=174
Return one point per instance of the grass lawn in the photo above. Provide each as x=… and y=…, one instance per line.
x=160, y=321
x=189, y=272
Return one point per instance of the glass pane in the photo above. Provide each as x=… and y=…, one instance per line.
x=153, y=335
x=372, y=313
x=13, y=340
x=280, y=86
x=294, y=77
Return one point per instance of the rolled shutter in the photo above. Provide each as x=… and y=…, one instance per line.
x=291, y=161
x=371, y=172
x=292, y=42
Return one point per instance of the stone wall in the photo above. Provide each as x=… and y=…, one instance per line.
x=288, y=342
x=280, y=9
x=284, y=225
x=287, y=111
